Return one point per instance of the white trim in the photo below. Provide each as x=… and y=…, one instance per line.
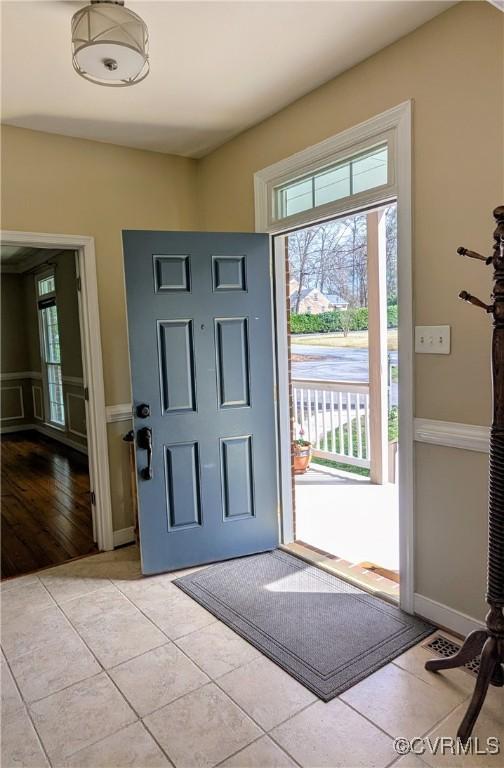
x=405, y=339
x=382, y=127
x=453, y=435
x=377, y=345
x=75, y=381
x=17, y=428
x=18, y=375
x=89, y=318
x=282, y=373
x=54, y=434
x=40, y=416
x=446, y=617
x=120, y=412
x=398, y=121
x=69, y=421
x=21, y=403
x=124, y=536
x=499, y=4
x=59, y=437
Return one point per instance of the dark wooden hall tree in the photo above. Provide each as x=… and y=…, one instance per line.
x=489, y=642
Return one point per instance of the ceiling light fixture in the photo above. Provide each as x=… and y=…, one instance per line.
x=110, y=44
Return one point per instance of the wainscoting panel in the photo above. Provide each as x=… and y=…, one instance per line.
x=76, y=414
x=11, y=402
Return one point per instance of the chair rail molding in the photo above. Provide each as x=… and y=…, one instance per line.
x=120, y=412
x=76, y=381
x=16, y=375
x=451, y=434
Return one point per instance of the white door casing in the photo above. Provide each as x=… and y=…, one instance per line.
x=89, y=321
x=394, y=126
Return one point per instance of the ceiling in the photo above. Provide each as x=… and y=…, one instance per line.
x=15, y=254
x=20, y=258
x=216, y=67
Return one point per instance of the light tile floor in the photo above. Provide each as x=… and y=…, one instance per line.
x=104, y=669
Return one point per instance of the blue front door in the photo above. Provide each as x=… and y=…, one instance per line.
x=202, y=374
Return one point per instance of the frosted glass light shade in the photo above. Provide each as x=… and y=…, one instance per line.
x=110, y=44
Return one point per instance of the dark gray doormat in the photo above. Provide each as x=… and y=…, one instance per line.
x=323, y=631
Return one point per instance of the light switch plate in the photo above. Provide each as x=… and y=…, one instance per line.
x=432, y=339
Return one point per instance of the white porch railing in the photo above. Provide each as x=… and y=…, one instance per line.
x=334, y=417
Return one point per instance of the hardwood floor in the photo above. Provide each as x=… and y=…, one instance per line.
x=46, y=507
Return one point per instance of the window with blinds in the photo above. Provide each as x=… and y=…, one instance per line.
x=50, y=349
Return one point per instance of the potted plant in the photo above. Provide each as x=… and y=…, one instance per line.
x=302, y=451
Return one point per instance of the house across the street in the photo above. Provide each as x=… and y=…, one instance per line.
x=311, y=301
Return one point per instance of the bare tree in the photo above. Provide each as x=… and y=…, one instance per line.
x=301, y=263
x=332, y=257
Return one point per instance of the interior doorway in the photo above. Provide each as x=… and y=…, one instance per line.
x=47, y=511
x=342, y=307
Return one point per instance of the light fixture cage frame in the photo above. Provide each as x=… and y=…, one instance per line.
x=79, y=43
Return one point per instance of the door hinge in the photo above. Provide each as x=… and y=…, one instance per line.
x=79, y=284
x=86, y=393
x=93, y=498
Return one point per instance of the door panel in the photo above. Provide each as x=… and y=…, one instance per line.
x=182, y=474
x=237, y=477
x=232, y=359
x=201, y=351
x=176, y=365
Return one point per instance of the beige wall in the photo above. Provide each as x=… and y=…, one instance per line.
x=452, y=68
x=71, y=186
x=62, y=185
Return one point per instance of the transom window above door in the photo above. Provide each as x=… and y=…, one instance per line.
x=351, y=171
x=356, y=174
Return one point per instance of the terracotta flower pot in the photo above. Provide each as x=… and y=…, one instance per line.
x=302, y=457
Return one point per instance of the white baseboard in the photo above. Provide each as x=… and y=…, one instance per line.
x=16, y=428
x=18, y=375
x=54, y=434
x=446, y=617
x=124, y=536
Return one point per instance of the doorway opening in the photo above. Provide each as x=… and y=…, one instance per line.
x=342, y=322
x=47, y=513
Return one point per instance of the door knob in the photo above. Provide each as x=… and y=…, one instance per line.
x=144, y=441
x=143, y=410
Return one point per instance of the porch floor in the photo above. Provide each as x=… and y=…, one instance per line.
x=348, y=516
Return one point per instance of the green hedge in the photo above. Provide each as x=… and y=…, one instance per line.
x=340, y=320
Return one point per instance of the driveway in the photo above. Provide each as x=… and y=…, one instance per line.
x=337, y=364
